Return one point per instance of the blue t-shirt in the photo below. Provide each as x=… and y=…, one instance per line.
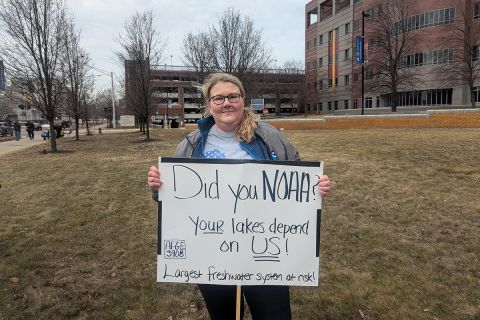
x=223, y=145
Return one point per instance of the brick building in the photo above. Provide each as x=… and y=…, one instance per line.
x=177, y=95
x=334, y=79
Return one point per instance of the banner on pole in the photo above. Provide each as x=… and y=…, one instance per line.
x=239, y=222
x=359, y=49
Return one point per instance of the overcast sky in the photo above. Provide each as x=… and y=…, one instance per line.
x=100, y=22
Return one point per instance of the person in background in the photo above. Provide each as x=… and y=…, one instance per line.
x=17, y=128
x=232, y=130
x=30, y=130
x=58, y=129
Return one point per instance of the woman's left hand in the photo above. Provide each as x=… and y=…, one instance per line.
x=324, y=186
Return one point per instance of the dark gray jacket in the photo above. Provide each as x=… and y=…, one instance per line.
x=278, y=147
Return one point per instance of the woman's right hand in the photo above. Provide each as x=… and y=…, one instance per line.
x=154, y=182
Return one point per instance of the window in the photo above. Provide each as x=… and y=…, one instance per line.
x=337, y=33
x=371, y=43
x=356, y=24
x=368, y=102
x=355, y=77
x=368, y=73
x=436, y=17
x=315, y=41
x=476, y=94
x=330, y=35
x=336, y=82
x=329, y=105
x=369, y=13
x=320, y=84
x=347, y=28
x=330, y=84
x=320, y=39
x=320, y=106
x=346, y=104
x=347, y=54
x=308, y=44
x=476, y=11
x=476, y=53
x=320, y=62
x=378, y=102
x=335, y=105
x=355, y=104
x=346, y=79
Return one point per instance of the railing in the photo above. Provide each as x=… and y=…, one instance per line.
x=292, y=71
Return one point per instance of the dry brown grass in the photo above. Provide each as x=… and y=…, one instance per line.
x=400, y=233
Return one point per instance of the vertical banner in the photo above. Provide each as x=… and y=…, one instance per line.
x=359, y=49
x=239, y=222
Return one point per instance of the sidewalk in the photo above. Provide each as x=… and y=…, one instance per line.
x=23, y=143
x=13, y=145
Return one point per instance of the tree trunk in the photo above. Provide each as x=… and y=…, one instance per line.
x=394, y=102
x=77, y=134
x=53, y=137
x=147, y=120
x=472, y=97
x=278, y=110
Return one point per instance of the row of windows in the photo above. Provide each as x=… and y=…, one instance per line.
x=346, y=104
x=438, y=56
x=318, y=41
x=410, y=98
x=424, y=98
x=328, y=83
x=424, y=20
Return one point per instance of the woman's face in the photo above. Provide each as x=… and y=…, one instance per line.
x=228, y=114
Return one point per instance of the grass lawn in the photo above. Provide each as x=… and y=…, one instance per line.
x=400, y=232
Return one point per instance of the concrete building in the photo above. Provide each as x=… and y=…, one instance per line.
x=334, y=79
x=177, y=94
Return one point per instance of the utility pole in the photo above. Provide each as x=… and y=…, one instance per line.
x=363, y=60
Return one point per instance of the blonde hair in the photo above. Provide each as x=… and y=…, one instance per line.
x=246, y=130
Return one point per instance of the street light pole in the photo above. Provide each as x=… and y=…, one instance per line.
x=114, y=122
x=363, y=60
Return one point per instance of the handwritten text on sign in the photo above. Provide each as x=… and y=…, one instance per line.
x=239, y=222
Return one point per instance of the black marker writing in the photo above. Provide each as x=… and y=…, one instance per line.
x=243, y=192
x=286, y=186
x=195, y=184
x=207, y=226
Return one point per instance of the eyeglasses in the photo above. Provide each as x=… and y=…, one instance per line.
x=233, y=98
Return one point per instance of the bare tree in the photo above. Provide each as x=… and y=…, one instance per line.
x=32, y=50
x=293, y=66
x=465, y=38
x=389, y=40
x=196, y=53
x=233, y=46
x=76, y=67
x=103, y=102
x=141, y=47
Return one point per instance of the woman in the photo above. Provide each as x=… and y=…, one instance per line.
x=232, y=131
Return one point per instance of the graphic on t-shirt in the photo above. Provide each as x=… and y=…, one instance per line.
x=214, y=154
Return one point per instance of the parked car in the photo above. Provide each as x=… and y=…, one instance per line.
x=5, y=129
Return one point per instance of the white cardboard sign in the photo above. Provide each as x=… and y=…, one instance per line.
x=239, y=222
